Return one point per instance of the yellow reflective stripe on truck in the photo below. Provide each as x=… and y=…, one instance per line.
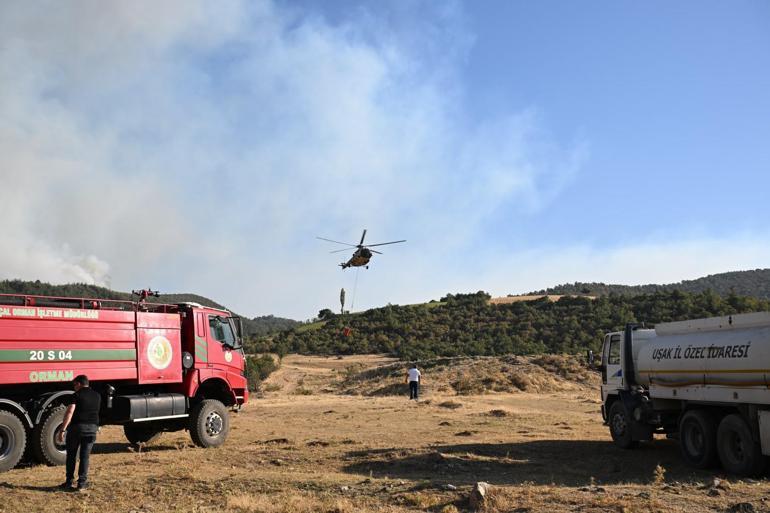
x=735, y=384
x=708, y=371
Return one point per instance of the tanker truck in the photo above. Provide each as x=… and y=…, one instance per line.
x=705, y=382
x=157, y=367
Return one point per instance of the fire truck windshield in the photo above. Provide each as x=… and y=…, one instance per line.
x=222, y=331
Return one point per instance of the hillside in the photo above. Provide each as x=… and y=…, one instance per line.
x=470, y=375
x=258, y=326
x=743, y=283
x=469, y=325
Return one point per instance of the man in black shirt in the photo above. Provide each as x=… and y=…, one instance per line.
x=81, y=422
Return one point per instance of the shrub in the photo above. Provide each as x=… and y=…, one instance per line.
x=258, y=368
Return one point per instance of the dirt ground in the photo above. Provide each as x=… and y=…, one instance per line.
x=304, y=448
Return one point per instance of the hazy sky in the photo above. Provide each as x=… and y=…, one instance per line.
x=202, y=146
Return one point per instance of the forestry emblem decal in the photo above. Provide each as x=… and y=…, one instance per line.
x=159, y=352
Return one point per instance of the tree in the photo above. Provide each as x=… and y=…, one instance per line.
x=326, y=314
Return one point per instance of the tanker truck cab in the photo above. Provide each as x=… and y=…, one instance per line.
x=612, y=376
x=612, y=363
x=623, y=399
x=705, y=382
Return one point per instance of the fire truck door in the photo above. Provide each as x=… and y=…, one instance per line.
x=221, y=342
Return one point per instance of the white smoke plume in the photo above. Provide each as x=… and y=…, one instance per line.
x=200, y=147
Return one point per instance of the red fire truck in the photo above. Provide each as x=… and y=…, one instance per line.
x=158, y=368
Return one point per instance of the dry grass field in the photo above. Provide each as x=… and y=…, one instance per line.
x=330, y=436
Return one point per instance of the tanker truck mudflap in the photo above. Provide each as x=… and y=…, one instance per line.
x=763, y=417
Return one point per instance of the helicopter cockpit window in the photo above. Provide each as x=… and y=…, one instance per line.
x=221, y=330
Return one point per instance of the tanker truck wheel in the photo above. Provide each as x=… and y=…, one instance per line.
x=620, y=426
x=141, y=433
x=209, y=423
x=13, y=439
x=698, y=439
x=45, y=449
x=738, y=451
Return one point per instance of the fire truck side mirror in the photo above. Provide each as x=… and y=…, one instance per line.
x=237, y=325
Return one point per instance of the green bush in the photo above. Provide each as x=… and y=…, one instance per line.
x=258, y=368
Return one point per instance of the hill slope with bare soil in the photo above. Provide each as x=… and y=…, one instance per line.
x=475, y=375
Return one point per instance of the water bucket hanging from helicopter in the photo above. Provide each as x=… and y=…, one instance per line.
x=345, y=330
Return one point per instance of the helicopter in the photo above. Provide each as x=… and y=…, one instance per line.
x=362, y=255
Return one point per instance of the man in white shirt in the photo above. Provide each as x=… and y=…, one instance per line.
x=413, y=378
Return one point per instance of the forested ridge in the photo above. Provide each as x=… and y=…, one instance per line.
x=754, y=283
x=467, y=324
x=258, y=326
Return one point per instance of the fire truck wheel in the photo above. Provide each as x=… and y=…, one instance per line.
x=45, y=449
x=738, y=451
x=698, y=439
x=13, y=439
x=209, y=423
x=620, y=426
x=141, y=433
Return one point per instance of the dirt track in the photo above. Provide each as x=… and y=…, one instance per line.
x=323, y=452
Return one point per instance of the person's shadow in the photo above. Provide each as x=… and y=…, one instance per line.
x=125, y=447
x=33, y=488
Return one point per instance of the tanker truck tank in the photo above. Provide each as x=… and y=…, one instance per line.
x=729, y=351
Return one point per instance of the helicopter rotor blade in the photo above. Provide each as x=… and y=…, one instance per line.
x=375, y=251
x=339, y=250
x=338, y=242
x=385, y=243
x=362, y=238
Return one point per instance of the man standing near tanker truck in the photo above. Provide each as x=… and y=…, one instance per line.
x=81, y=423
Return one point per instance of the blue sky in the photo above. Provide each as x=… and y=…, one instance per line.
x=672, y=98
x=197, y=146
